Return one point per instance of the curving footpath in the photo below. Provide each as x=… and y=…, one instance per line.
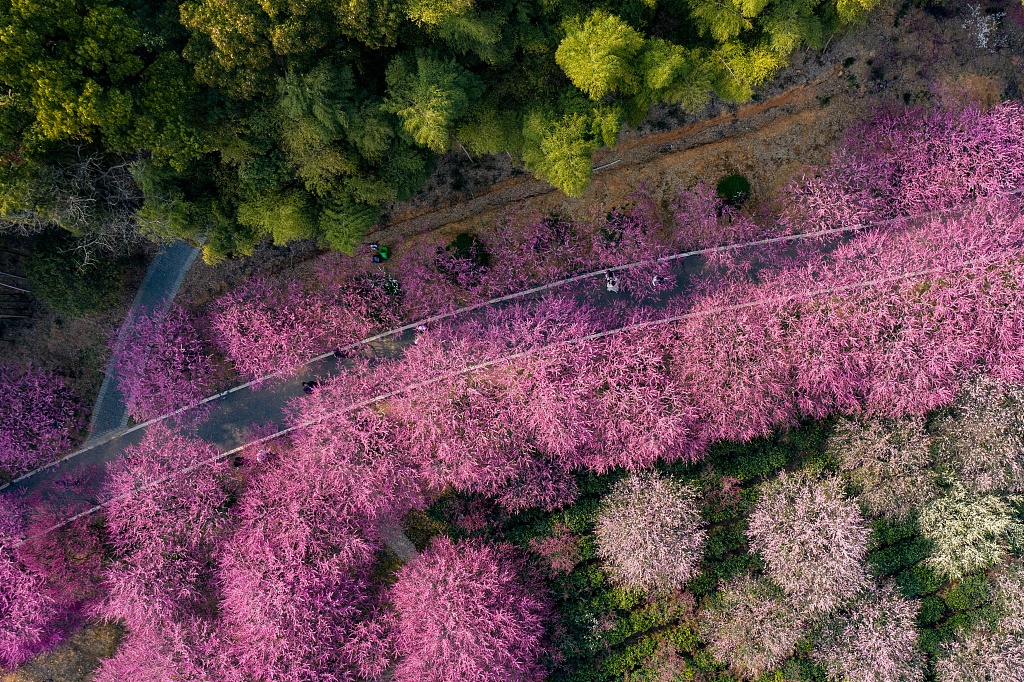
x=158, y=289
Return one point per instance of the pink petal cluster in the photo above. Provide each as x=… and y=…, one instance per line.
x=266, y=325
x=163, y=363
x=38, y=418
x=164, y=527
x=26, y=607
x=561, y=549
x=910, y=162
x=465, y=614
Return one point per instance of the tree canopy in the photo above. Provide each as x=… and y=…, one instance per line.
x=246, y=120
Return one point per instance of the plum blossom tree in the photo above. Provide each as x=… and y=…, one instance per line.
x=912, y=161
x=164, y=528
x=968, y=531
x=982, y=656
x=163, y=363
x=981, y=441
x=812, y=539
x=466, y=614
x=26, y=607
x=874, y=639
x=267, y=326
x=38, y=416
x=190, y=650
x=291, y=576
x=888, y=460
x=650, y=534
x=752, y=627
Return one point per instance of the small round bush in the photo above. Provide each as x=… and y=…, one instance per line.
x=752, y=626
x=650, y=534
x=873, y=639
x=812, y=538
x=968, y=531
x=66, y=285
x=734, y=189
x=888, y=460
x=466, y=615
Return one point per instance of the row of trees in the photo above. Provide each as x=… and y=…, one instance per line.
x=905, y=163
x=241, y=121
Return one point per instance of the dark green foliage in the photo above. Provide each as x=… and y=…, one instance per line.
x=65, y=284
x=467, y=247
x=970, y=593
x=734, y=189
x=302, y=120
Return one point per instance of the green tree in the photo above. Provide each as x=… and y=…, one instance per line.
x=598, y=55
x=429, y=96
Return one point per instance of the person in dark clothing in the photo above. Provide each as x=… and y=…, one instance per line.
x=308, y=386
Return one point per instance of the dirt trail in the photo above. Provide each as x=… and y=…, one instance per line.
x=646, y=159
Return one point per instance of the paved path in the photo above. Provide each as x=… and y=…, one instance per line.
x=228, y=416
x=158, y=289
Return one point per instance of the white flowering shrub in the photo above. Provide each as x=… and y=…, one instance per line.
x=981, y=440
x=873, y=639
x=995, y=653
x=752, y=627
x=888, y=460
x=1009, y=597
x=968, y=531
x=650, y=534
x=982, y=656
x=812, y=538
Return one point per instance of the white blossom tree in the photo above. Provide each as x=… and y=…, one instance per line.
x=873, y=639
x=812, y=538
x=888, y=460
x=650, y=534
x=752, y=626
x=981, y=440
x=968, y=531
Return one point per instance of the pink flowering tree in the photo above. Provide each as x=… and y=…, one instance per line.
x=164, y=527
x=192, y=650
x=873, y=638
x=26, y=606
x=464, y=613
x=650, y=534
x=38, y=418
x=308, y=527
x=163, y=363
x=912, y=161
x=812, y=538
x=266, y=326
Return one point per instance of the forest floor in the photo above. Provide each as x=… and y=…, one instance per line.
x=902, y=55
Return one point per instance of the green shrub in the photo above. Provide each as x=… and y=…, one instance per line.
x=899, y=556
x=468, y=247
x=932, y=611
x=919, y=580
x=59, y=278
x=734, y=189
x=972, y=592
